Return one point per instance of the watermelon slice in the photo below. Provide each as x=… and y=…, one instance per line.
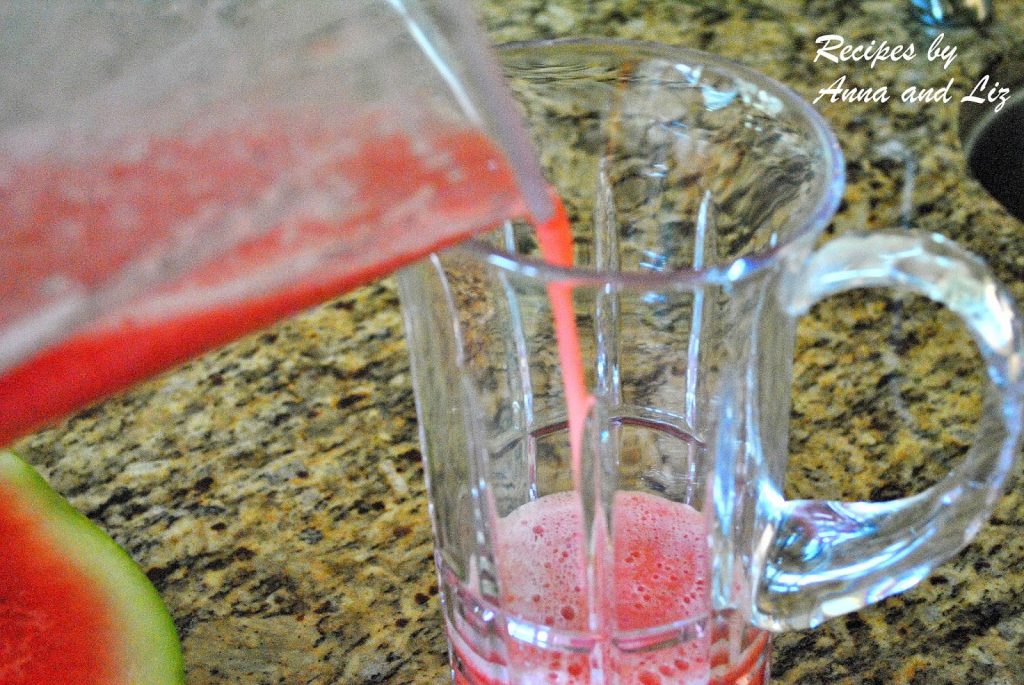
x=74, y=607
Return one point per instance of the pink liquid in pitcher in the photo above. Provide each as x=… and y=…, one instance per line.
x=659, y=570
x=658, y=629
x=86, y=222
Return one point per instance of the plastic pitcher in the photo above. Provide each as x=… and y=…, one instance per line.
x=697, y=189
x=174, y=174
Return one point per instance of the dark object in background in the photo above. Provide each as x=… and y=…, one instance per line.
x=993, y=142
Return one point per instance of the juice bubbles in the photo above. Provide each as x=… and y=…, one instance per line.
x=638, y=615
x=659, y=633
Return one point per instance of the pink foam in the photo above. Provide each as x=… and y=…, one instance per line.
x=660, y=566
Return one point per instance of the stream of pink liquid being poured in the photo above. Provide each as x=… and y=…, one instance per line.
x=654, y=575
x=555, y=239
x=178, y=178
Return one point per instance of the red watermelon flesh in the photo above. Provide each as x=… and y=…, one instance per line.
x=74, y=607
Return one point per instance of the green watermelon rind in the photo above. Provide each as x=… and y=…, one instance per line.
x=151, y=650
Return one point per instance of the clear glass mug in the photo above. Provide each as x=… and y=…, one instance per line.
x=697, y=189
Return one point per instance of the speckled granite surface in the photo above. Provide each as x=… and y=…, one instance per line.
x=273, y=492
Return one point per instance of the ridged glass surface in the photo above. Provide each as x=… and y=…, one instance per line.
x=696, y=190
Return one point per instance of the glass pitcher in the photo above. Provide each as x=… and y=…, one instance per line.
x=174, y=174
x=697, y=189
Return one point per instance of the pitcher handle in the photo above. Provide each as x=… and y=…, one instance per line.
x=821, y=558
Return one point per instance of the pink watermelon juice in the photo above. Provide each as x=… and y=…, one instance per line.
x=86, y=222
x=660, y=579
x=652, y=603
x=655, y=625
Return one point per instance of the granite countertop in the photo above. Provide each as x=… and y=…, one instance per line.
x=273, y=491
